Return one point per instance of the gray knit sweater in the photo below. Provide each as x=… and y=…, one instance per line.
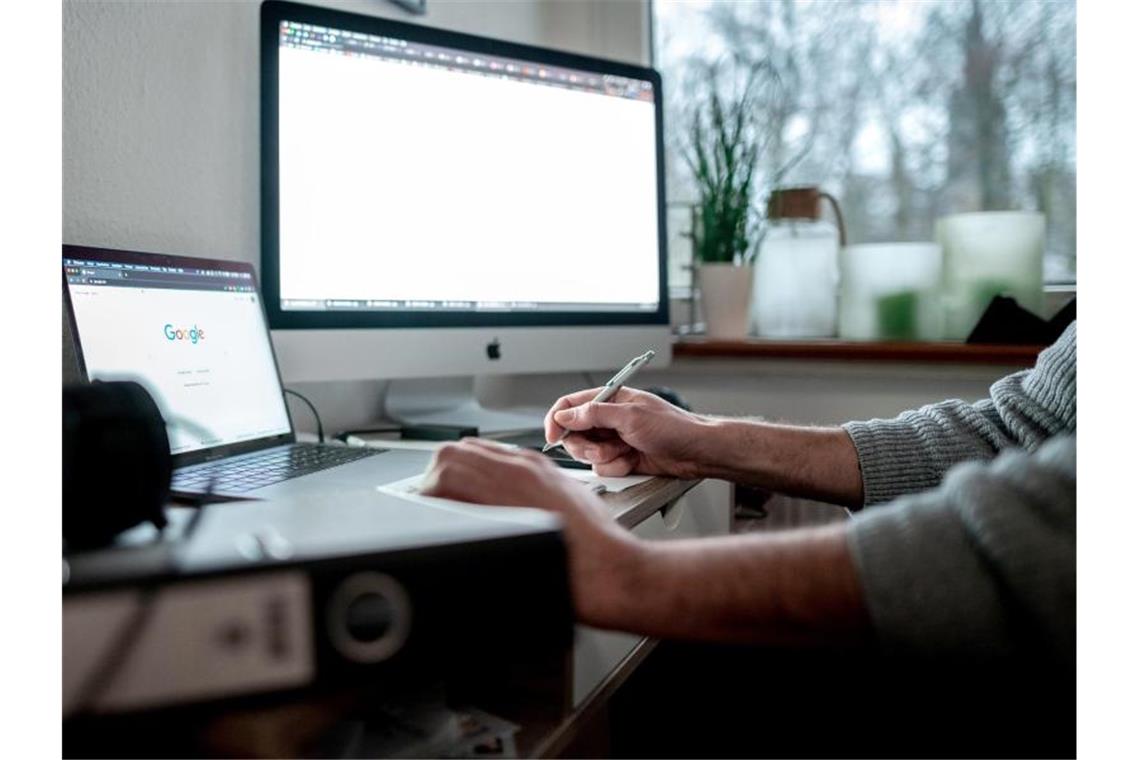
x=985, y=563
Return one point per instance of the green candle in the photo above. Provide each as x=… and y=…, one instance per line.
x=898, y=315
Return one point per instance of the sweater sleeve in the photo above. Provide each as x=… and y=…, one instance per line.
x=985, y=564
x=914, y=451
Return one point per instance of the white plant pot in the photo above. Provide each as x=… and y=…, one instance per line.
x=726, y=299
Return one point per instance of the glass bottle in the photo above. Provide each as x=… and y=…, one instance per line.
x=796, y=273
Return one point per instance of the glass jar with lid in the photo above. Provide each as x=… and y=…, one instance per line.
x=796, y=271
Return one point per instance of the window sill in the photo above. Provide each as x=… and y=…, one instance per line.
x=873, y=351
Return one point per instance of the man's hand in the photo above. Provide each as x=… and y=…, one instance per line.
x=603, y=557
x=634, y=432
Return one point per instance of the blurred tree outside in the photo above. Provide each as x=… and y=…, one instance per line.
x=905, y=110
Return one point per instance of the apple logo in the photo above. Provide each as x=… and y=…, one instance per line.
x=493, y=350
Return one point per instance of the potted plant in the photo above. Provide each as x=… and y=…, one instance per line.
x=722, y=152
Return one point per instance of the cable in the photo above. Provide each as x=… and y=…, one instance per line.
x=313, y=409
x=118, y=652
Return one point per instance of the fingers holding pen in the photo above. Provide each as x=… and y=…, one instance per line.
x=552, y=429
x=619, y=466
x=574, y=410
x=591, y=449
x=594, y=414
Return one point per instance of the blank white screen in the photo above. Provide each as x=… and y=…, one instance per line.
x=413, y=182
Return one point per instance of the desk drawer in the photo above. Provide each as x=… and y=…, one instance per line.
x=706, y=510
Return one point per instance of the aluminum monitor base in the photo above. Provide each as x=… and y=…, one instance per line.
x=452, y=401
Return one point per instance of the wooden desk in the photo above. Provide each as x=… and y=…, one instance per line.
x=634, y=505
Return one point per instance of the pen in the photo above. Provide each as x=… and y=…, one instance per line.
x=613, y=386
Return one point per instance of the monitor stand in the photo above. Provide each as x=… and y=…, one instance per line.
x=452, y=401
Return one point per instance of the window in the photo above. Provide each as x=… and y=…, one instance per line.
x=903, y=110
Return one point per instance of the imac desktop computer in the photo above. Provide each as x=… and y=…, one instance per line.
x=437, y=206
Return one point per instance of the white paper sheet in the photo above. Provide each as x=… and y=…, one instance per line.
x=613, y=485
x=411, y=486
x=409, y=489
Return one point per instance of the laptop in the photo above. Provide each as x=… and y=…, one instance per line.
x=193, y=332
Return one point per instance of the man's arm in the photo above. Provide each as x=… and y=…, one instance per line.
x=986, y=563
x=814, y=463
x=915, y=450
x=797, y=587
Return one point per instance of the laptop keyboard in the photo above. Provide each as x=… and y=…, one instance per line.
x=263, y=468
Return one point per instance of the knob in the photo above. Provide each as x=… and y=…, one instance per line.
x=369, y=617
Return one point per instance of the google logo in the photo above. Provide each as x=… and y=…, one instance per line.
x=194, y=334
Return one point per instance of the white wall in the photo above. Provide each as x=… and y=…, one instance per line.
x=161, y=108
x=160, y=153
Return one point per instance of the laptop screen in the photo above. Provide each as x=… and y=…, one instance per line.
x=193, y=336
